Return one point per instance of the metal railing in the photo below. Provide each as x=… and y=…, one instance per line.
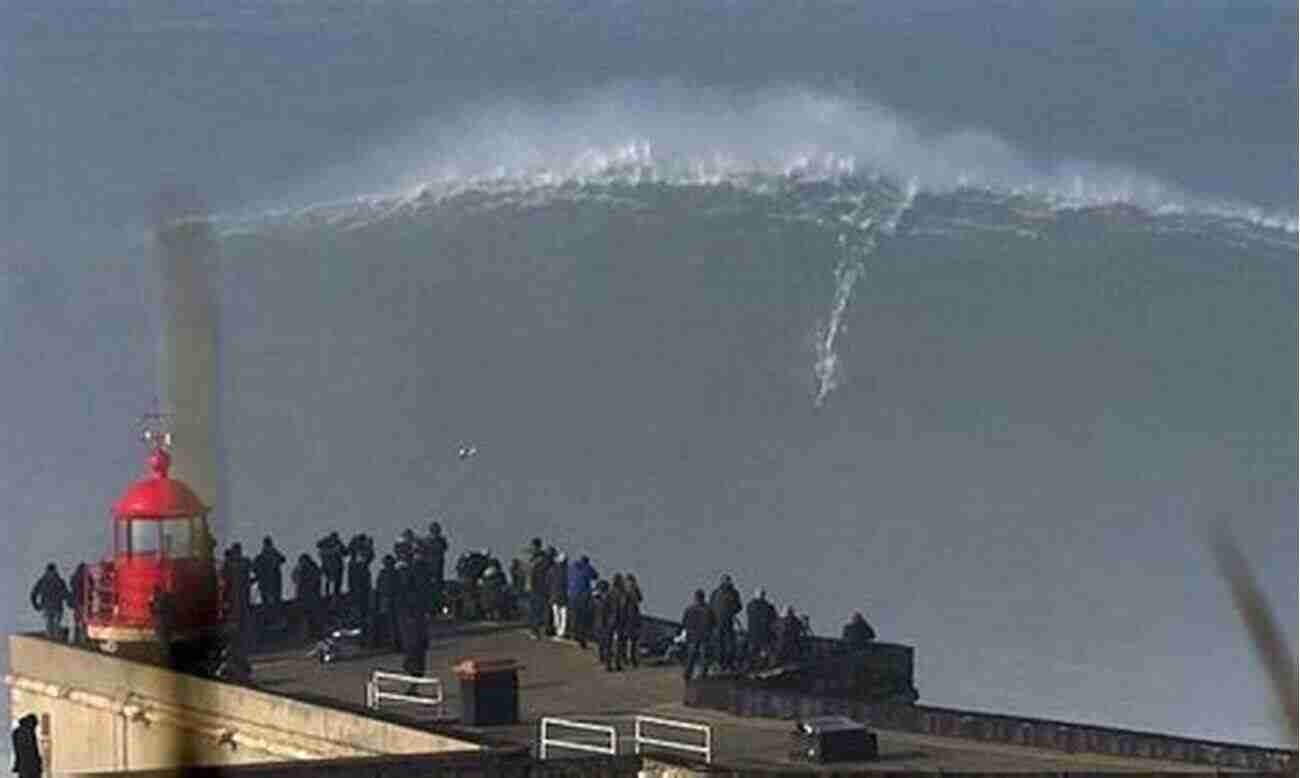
x=545, y=740
x=376, y=694
x=705, y=750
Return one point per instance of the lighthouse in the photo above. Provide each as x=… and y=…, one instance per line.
x=158, y=585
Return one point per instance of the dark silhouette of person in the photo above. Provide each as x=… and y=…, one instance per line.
x=616, y=622
x=557, y=594
x=538, y=569
x=361, y=553
x=237, y=573
x=581, y=574
x=602, y=610
x=387, y=591
x=725, y=602
x=413, y=610
x=270, y=581
x=699, y=622
x=331, y=552
x=306, y=581
x=82, y=588
x=49, y=595
x=438, y=545
x=27, y=754
x=631, y=643
x=857, y=634
x=162, y=607
x=761, y=619
x=790, y=646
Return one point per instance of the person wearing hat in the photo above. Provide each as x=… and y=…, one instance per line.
x=557, y=594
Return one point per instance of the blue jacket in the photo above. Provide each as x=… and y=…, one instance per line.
x=581, y=574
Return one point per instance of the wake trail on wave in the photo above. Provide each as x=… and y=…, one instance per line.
x=857, y=248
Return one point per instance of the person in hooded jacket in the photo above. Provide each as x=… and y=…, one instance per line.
x=557, y=594
x=857, y=634
x=361, y=553
x=539, y=568
x=49, y=596
x=332, y=550
x=27, y=752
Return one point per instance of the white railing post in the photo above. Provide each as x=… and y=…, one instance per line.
x=706, y=750
x=546, y=740
x=375, y=693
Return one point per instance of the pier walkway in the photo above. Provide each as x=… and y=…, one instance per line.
x=560, y=680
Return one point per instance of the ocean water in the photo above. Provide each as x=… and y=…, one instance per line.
x=975, y=318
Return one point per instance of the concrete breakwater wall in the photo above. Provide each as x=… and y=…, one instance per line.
x=743, y=697
x=101, y=712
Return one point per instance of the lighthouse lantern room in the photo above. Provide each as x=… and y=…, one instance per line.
x=160, y=582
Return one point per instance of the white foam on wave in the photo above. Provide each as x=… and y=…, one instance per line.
x=670, y=133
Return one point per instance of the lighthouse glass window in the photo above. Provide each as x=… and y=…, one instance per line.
x=177, y=537
x=144, y=537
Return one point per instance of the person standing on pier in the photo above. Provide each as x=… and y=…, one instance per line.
x=725, y=602
x=630, y=646
x=557, y=594
x=386, y=594
x=361, y=553
x=306, y=581
x=761, y=616
x=438, y=545
x=698, y=621
x=581, y=574
x=270, y=583
x=538, y=568
x=857, y=634
x=331, y=552
x=48, y=596
x=82, y=586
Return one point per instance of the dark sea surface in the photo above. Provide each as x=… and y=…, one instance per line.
x=973, y=317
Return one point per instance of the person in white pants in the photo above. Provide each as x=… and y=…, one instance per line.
x=557, y=592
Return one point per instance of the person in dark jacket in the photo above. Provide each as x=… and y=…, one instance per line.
x=857, y=634
x=81, y=588
x=49, y=595
x=361, y=553
x=332, y=550
x=790, y=641
x=557, y=594
x=603, y=609
x=162, y=608
x=725, y=602
x=699, y=622
x=386, y=594
x=27, y=753
x=581, y=574
x=413, y=612
x=306, y=582
x=266, y=569
x=237, y=575
x=539, y=568
x=761, y=618
x=437, y=545
x=631, y=643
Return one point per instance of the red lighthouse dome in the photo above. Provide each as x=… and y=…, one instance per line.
x=161, y=567
x=158, y=496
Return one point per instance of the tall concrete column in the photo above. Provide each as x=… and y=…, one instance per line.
x=187, y=350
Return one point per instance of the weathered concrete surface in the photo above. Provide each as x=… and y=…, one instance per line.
x=108, y=713
x=561, y=680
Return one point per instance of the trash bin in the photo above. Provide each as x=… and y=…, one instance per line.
x=489, y=691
